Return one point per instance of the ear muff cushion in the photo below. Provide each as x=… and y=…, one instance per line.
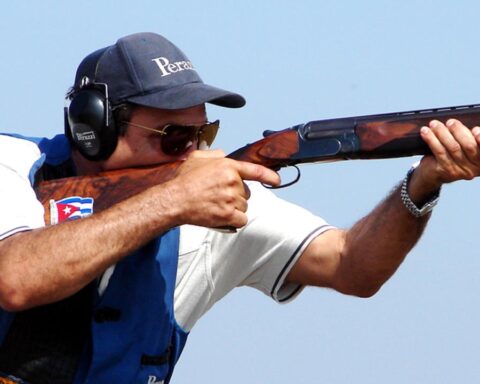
x=91, y=126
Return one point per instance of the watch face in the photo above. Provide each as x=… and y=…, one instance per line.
x=427, y=207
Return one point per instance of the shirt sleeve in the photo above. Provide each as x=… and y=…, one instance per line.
x=262, y=253
x=19, y=207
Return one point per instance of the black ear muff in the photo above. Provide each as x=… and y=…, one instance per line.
x=90, y=125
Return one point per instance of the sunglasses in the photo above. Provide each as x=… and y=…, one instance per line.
x=177, y=138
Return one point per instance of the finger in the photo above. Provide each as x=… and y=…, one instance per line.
x=239, y=219
x=476, y=134
x=448, y=141
x=238, y=196
x=247, y=191
x=438, y=150
x=256, y=172
x=242, y=205
x=466, y=140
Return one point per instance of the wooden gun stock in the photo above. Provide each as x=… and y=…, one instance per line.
x=107, y=188
x=363, y=137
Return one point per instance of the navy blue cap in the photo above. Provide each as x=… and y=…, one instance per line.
x=149, y=70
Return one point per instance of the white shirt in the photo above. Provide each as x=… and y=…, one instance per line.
x=259, y=255
x=20, y=210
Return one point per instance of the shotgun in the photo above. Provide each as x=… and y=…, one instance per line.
x=380, y=136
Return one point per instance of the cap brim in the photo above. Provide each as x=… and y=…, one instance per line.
x=189, y=95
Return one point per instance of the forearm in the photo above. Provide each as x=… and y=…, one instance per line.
x=376, y=245
x=380, y=242
x=360, y=260
x=49, y=264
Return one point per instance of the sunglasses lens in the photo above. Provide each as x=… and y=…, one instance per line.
x=177, y=139
x=207, y=134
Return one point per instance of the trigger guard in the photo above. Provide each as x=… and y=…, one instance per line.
x=286, y=184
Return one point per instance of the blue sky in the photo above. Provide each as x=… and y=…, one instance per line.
x=295, y=62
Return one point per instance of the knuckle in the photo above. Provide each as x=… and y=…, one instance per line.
x=469, y=176
x=259, y=171
x=440, y=152
x=230, y=178
x=229, y=214
x=459, y=175
x=455, y=148
x=469, y=173
x=226, y=206
x=253, y=171
x=227, y=162
x=229, y=197
x=470, y=147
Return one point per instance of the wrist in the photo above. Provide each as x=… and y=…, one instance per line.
x=417, y=201
x=423, y=183
x=169, y=211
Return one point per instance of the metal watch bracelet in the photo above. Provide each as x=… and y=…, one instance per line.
x=409, y=204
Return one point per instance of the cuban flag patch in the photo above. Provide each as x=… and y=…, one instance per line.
x=70, y=208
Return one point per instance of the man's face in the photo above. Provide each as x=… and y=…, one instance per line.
x=142, y=146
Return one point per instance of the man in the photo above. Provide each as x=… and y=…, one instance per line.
x=112, y=297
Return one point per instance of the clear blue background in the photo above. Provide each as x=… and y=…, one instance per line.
x=295, y=62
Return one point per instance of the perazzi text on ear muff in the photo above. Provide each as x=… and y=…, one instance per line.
x=89, y=122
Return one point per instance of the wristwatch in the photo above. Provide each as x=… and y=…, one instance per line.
x=409, y=204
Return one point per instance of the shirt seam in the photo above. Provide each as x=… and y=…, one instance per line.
x=281, y=276
x=12, y=231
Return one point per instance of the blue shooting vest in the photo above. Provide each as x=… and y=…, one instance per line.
x=134, y=335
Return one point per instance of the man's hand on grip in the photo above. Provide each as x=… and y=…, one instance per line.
x=455, y=156
x=209, y=189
